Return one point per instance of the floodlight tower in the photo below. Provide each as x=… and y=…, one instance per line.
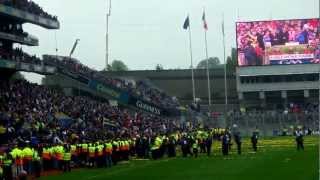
x=107, y=36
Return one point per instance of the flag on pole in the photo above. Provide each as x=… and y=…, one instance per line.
x=205, y=25
x=186, y=23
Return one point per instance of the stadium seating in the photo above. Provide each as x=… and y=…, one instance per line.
x=31, y=110
x=139, y=89
x=18, y=55
x=29, y=6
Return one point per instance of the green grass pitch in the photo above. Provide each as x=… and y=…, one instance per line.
x=277, y=159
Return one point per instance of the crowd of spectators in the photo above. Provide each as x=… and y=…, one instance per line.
x=18, y=55
x=29, y=112
x=29, y=6
x=15, y=29
x=139, y=89
x=254, y=37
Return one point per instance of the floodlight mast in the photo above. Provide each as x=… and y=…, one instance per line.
x=107, y=35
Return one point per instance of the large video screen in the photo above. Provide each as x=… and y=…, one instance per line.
x=278, y=42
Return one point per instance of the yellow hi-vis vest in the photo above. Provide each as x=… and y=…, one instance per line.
x=195, y=144
x=100, y=150
x=73, y=149
x=92, y=151
x=108, y=148
x=84, y=148
x=67, y=156
x=27, y=153
x=35, y=156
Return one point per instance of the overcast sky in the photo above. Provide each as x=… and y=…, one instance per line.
x=144, y=33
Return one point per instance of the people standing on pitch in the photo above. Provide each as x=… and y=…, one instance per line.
x=172, y=146
x=237, y=139
x=164, y=145
x=225, y=144
x=254, y=140
x=202, y=145
x=67, y=158
x=108, y=153
x=7, y=163
x=155, y=148
x=185, y=146
x=195, y=147
x=201, y=135
x=36, y=162
x=299, y=139
x=228, y=131
x=208, y=144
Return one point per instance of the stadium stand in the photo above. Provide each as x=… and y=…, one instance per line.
x=138, y=89
x=31, y=110
x=42, y=128
x=29, y=6
x=18, y=55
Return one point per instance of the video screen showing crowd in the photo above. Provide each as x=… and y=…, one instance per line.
x=278, y=42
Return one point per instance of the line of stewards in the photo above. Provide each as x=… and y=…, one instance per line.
x=29, y=161
x=19, y=161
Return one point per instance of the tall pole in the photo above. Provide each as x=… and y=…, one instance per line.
x=207, y=58
x=208, y=73
x=191, y=59
x=107, y=35
x=225, y=66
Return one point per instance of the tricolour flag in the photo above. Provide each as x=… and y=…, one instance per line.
x=186, y=23
x=205, y=25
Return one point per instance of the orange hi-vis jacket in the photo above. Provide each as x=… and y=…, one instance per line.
x=121, y=145
x=46, y=154
x=84, y=148
x=99, y=150
x=126, y=145
x=17, y=155
x=59, y=151
x=116, y=144
x=27, y=154
x=92, y=151
x=108, y=148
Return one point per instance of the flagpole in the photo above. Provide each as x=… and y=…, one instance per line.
x=225, y=67
x=191, y=59
x=207, y=57
x=208, y=73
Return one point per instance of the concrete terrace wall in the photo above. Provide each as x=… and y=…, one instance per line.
x=178, y=83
